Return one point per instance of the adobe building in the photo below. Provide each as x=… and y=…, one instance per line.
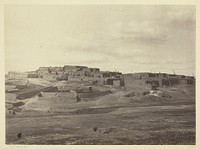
x=33, y=74
x=115, y=82
x=135, y=80
x=146, y=80
x=14, y=74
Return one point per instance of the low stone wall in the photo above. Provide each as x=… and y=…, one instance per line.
x=93, y=94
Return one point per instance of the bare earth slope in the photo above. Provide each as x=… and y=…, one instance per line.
x=166, y=117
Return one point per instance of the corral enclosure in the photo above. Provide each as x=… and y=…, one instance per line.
x=102, y=115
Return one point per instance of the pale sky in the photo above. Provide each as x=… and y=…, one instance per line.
x=126, y=38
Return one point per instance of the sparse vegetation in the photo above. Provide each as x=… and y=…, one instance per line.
x=135, y=116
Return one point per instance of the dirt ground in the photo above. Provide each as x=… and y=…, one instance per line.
x=56, y=118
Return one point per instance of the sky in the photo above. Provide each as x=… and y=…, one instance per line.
x=125, y=38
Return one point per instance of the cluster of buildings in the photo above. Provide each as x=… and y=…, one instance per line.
x=78, y=73
x=156, y=79
x=95, y=76
x=14, y=74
